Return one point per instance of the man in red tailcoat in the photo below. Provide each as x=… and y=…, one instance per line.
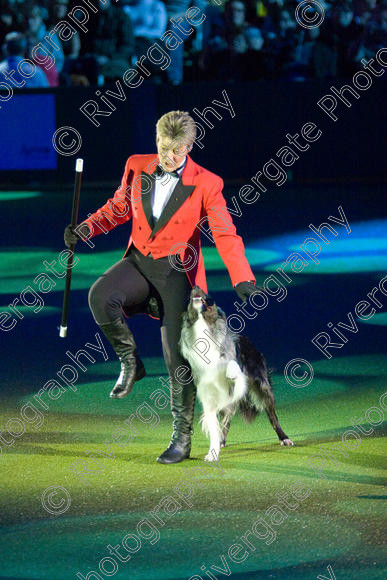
x=167, y=197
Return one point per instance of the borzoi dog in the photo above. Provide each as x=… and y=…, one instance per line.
x=229, y=373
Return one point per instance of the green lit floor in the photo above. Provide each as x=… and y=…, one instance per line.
x=339, y=524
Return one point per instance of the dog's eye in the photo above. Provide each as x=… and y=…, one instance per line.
x=210, y=301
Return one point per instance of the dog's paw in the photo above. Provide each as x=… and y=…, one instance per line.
x=287, y=442
x=211, y=456
x=233, y=370
x=223, y=444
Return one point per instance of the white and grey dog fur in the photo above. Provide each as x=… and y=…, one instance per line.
x=228, y=371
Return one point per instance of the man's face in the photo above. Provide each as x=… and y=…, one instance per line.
x=34, y=22
x=286, y=22
x=61, y=8
x=172, y=152
x=238, y=13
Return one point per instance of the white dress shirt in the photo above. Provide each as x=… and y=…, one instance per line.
x=162, y=191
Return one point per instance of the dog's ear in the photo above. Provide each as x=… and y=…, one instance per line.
x=211, y=314
x=221, y=314
x=190, y=316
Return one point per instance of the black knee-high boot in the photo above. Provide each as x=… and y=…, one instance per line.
x=132, y=368
x=182, y=404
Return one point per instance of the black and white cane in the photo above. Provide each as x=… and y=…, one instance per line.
x=74, y=220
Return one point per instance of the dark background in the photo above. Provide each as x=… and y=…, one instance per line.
x=349, y=149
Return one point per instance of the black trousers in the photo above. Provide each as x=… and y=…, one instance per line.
x=129, y=284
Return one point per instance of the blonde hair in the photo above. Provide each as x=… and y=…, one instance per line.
x=178, y=126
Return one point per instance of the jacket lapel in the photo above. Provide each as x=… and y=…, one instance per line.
x=146, y=196
x=178, y=197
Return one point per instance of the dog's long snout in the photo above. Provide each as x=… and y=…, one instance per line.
x=198, y=294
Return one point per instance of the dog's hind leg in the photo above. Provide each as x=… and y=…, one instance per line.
x=269, y=405
x=225, y=426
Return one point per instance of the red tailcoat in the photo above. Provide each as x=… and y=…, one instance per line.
x=197, y=196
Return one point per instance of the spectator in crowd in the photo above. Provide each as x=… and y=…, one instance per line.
x=72, y=72
x=7, y=18
x=108, y=47
x=39, y=49
x=362, y=12
x=293, y=47
x=255, y=65
x=375, y=31
x=234, y=47
x=270, y=22
x=15, y=48
x=286, y=40
x=58, y=11
x=149, y=20
x=350, y=35
x=344, y=37
x=176, y=9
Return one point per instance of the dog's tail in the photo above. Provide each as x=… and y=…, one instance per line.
x=254, y=366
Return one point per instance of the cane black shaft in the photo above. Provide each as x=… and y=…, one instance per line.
x=74, y=220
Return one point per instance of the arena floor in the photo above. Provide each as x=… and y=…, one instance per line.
x=65, y=460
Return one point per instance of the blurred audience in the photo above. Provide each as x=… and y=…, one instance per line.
x=149, y=20
x=48, y=58
x=238, y=40
x=15, y=47
x=108, y=46
x=177, y=23
x=234, y=47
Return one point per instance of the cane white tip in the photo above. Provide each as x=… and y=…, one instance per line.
x=79, y=165
x=63, y=331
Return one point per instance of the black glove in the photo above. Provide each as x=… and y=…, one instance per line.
x=71, y=236
x=245, y=289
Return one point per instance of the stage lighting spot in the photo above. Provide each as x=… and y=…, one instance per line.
x=18, y=195
x=353, y=246
x=343, y=264
x=361, y=250
x=360, y=367
x=255, y=256
x=28, y=311
x=297, y=540
x=379, y=319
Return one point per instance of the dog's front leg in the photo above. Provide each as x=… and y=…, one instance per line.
x=212, y=425
x=235, y=374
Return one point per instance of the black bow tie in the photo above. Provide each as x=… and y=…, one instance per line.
x=159, y=172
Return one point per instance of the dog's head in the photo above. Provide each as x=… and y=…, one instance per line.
x=201, y=304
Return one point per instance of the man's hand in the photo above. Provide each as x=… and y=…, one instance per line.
x=245, y=289
x=71, y=236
